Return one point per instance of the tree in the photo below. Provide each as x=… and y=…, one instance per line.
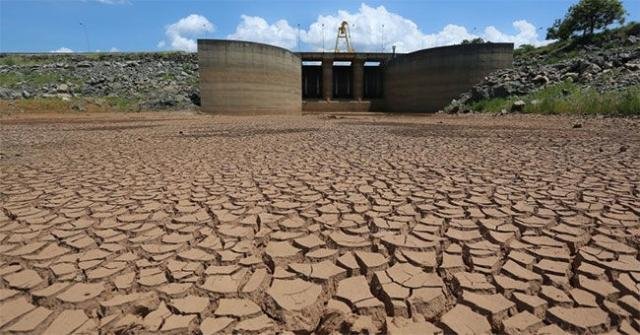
x=561, y=29
x=586, y=17
x=526, y=48
x=523, y=49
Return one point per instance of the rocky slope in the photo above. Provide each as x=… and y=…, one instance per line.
x=139, y=80
x=600, y=68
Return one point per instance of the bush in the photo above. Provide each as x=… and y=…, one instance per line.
x=476, y=40
x=630, y=102
x=524, y=49
x=633, y=28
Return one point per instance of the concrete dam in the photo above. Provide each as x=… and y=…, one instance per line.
x=248, y=78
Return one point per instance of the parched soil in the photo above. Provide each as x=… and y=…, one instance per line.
x=184, y=223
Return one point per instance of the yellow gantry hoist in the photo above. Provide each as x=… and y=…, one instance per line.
x=343, y=33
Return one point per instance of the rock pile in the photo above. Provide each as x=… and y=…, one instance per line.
x=150, y=80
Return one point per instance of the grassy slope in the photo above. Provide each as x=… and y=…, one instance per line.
x=569, y=98
x=76, y=104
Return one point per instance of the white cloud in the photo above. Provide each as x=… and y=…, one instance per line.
x=450, y=34
x=256, y=29
x=373, y=28
x=527, y=34
x=181, y=35
x=114, y=49
x=62, y=50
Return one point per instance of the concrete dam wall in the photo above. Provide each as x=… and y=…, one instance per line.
x=247, y=78
x=238, y=77
x=427, y=80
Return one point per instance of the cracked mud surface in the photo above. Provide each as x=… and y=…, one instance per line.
x=180, y=223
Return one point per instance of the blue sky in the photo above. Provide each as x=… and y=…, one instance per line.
x=130, y=25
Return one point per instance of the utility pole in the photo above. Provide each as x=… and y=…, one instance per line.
x=323, y=37
x=382, y=34
x=86, y=35
x=298, y=37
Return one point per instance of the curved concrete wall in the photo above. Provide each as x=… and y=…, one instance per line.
x=238, y=77
x=427, y=80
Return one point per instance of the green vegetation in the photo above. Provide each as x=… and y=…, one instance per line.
x=586, y=17
x=122, y=103
x=43, y=104
x=13, y=79
x=46, y=58
x=74, y=104
x=476, y=40
x=523, y=49
x=168, y=77
x=569, y=98
x=11, y=60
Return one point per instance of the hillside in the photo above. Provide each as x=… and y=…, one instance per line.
x=125, y=81
x=600, y=75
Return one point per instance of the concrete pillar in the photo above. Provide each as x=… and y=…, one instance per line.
x=358, y=78
x=327, y=78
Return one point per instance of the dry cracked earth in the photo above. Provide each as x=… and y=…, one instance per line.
x=183, y=223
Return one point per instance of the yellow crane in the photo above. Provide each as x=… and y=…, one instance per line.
x=343, y=33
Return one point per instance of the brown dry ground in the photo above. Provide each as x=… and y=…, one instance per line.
x=178, y=222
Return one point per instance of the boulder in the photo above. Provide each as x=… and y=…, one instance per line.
x=632, y=66
x=631, y=40
x=540, y=79
x=570, y=76
x=479, y=93
x=518, y=106
x=62, y=88
x=7, y=94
